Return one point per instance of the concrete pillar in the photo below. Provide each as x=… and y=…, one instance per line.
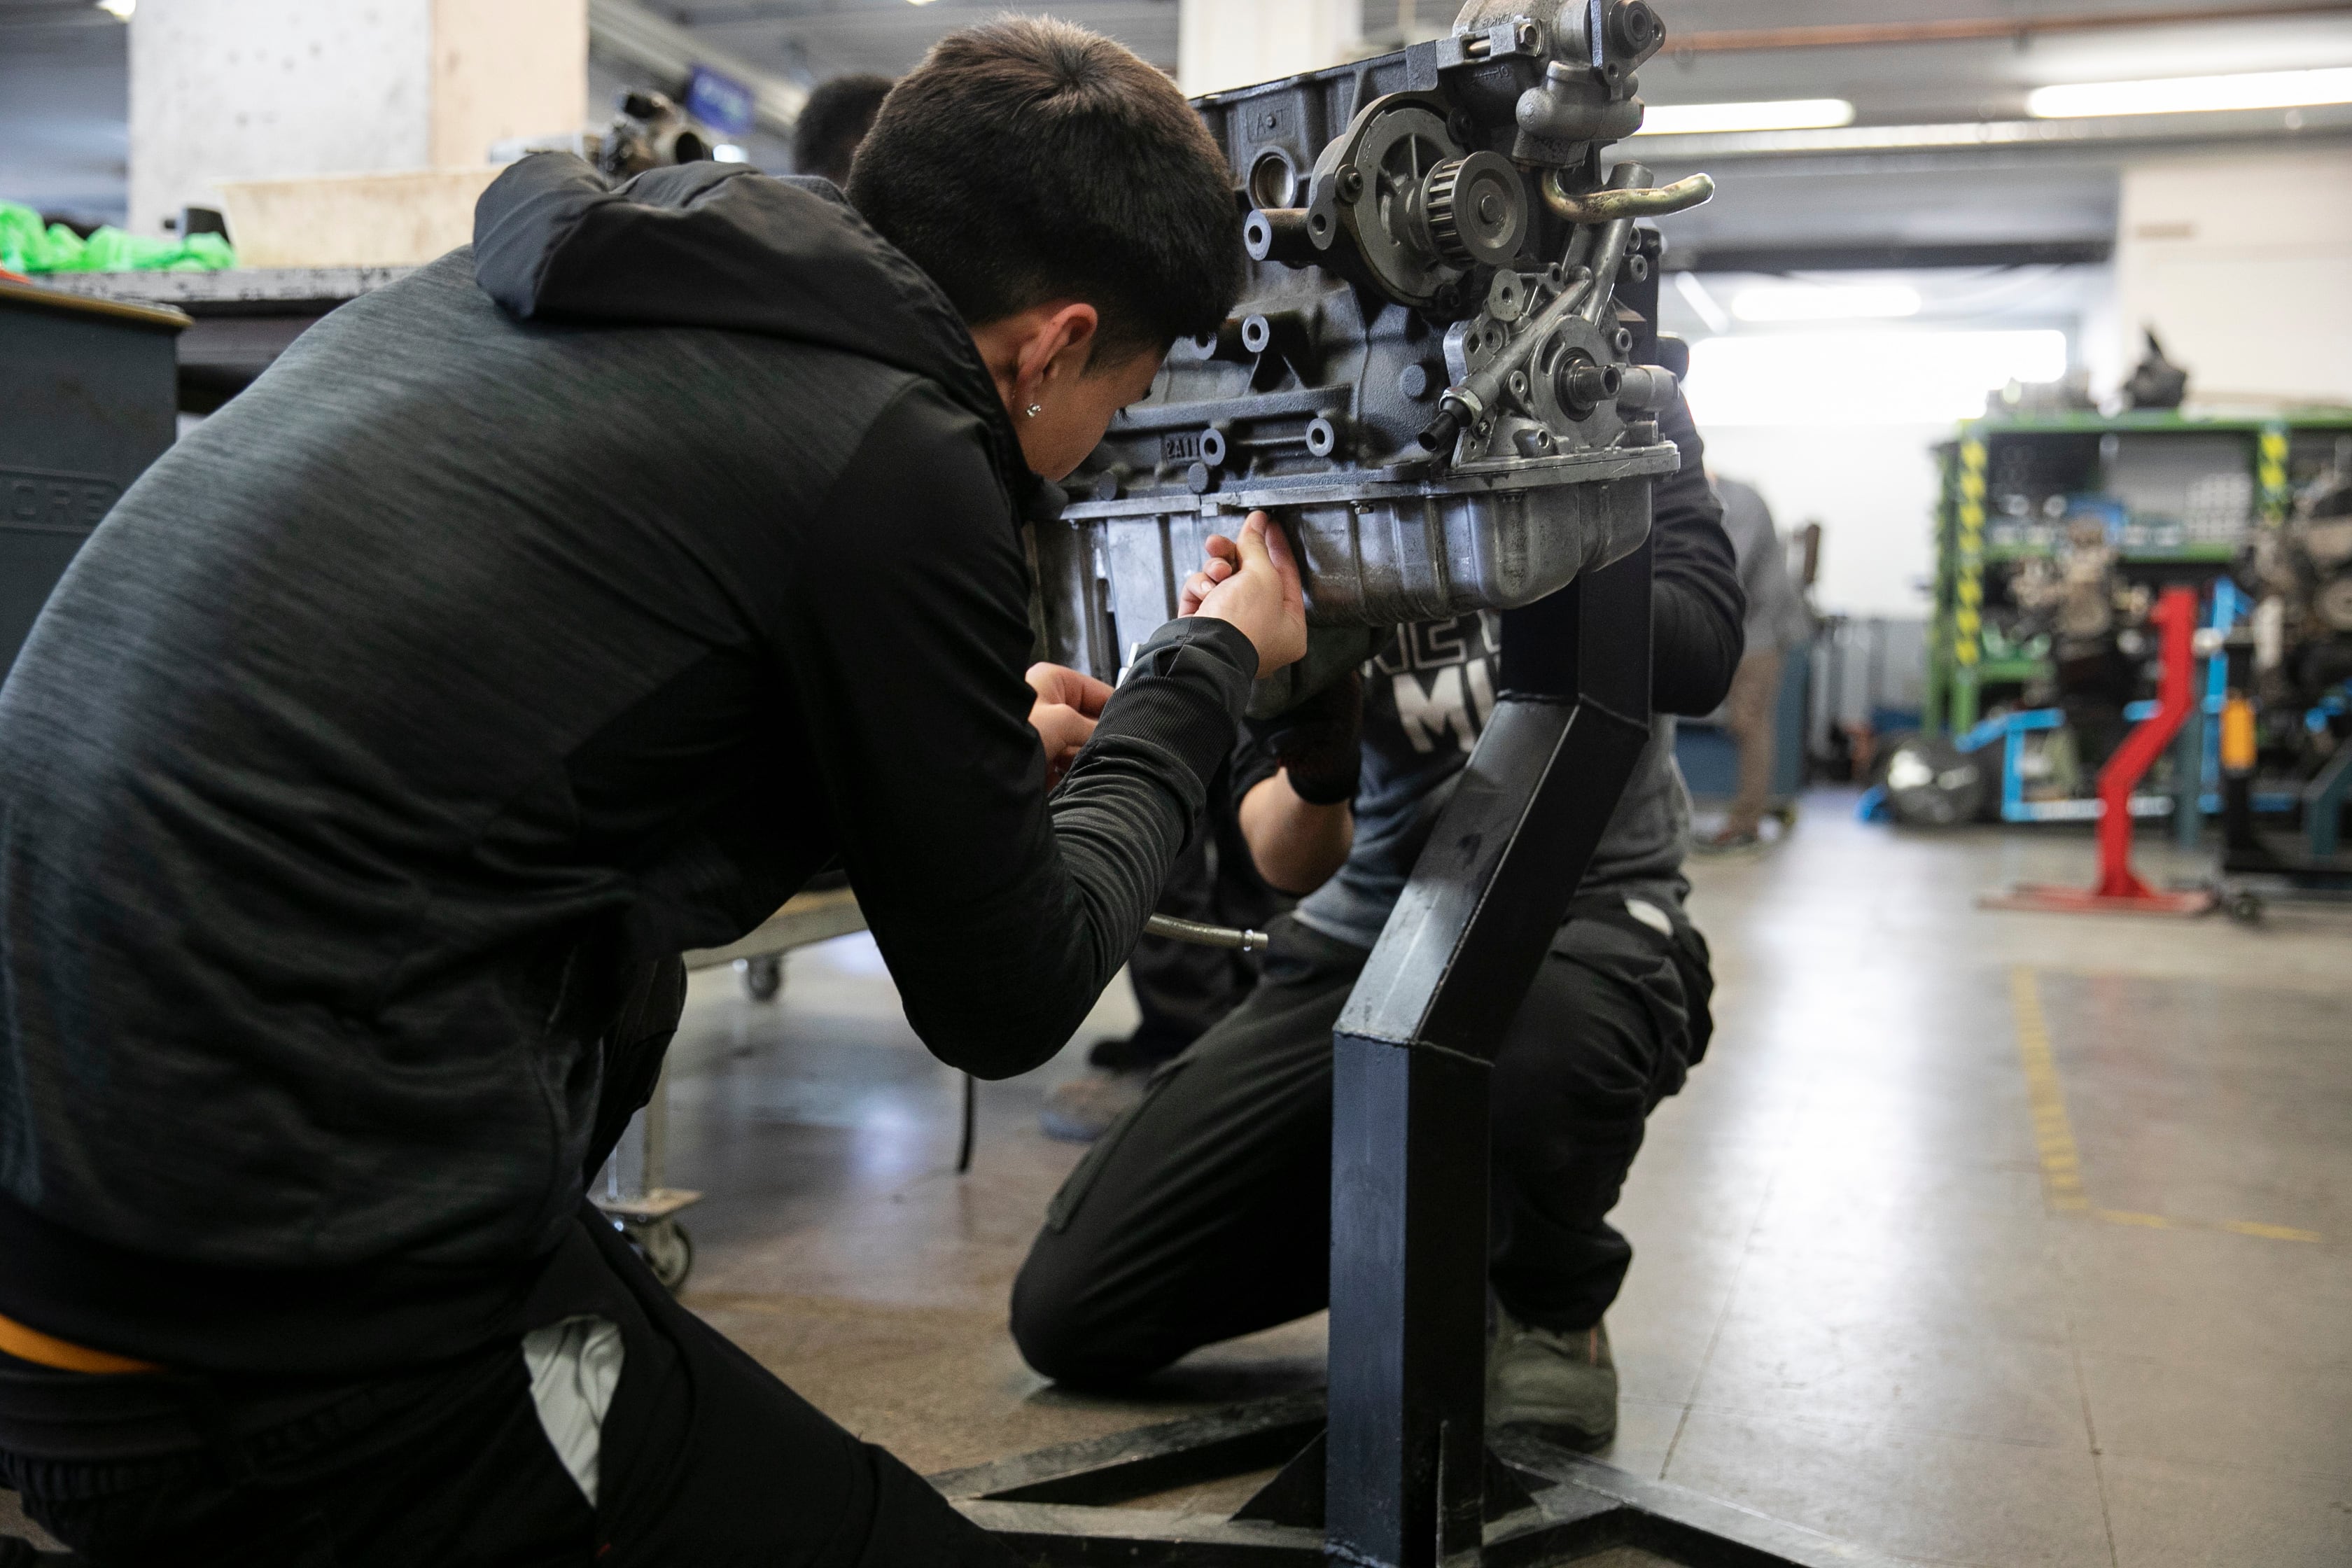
x=268, y=88
x=1234, y=43
x=2244, y=266
x=503, y=69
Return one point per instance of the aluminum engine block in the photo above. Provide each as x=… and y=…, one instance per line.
x=1440, y=382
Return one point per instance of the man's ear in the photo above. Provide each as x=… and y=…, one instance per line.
x=1067, y=340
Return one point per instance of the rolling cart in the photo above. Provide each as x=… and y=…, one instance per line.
x=633, y=1191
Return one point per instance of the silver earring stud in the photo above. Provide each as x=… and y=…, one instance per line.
x=1035, y=409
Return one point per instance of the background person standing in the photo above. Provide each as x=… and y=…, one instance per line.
x=1776, y=622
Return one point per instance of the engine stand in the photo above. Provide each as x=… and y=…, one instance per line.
x=2120, y=890
x=1393, y=1469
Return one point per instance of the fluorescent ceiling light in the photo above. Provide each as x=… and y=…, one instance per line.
x=2189, y=94
x=118, y=9
x=1813, y=302
x=1717, y=118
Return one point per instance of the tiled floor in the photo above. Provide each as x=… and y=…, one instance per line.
x=1871, y=1295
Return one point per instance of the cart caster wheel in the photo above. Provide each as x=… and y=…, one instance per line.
x=667, y=1249
x=763, y=978
x=2246, y=908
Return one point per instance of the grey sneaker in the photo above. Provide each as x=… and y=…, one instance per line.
x=1082, y=1109
x=1745, y=841
x=1561, y=1386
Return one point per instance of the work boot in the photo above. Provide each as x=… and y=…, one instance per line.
x=1560, y=1385
x=1082, y=1109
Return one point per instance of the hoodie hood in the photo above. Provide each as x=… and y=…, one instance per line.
x=710, y=245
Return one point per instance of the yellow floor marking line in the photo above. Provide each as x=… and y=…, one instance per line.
x=2053, y=1131
x=2234, y=1226
x=2270, y=1232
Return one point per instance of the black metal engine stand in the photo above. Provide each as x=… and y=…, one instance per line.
x=1396, y=1471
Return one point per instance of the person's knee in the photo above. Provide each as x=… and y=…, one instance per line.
x=1585, y=1046
x=1046, y=1328
x=1062, y=1328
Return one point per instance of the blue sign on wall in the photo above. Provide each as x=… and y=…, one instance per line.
x=719, y=101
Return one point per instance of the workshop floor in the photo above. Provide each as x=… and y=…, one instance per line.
x=1980, y=1238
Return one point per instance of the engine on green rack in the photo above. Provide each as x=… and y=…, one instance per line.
x=1444, y=376
x=2299, y=575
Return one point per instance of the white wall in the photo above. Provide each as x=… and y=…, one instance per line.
x=252, y=87
x=1871, y=488
x=2243, y=265
x=262, y=88
x=1238, y=43
x=1835, y=420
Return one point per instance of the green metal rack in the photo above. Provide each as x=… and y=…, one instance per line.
x=1982, y=529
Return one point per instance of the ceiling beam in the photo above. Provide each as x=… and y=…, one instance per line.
x=1751, y=40
x=1883, y=256
x=628, y=31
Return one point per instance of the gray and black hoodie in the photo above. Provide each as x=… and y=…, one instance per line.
x=565, y=605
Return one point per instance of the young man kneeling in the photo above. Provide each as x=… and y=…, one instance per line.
x=559, y=607
x=1205, y=1212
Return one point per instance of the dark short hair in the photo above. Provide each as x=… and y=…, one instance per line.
x=1028, y=160
x=833, y=120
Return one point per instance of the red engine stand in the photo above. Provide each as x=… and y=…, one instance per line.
x=2120, y=891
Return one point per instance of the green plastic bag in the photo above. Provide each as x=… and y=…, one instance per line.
x=26, y=247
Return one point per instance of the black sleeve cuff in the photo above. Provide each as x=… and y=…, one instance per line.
x=1183, y=696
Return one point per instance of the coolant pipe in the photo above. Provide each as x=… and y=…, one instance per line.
x=1616, y=235
x=1622, y=202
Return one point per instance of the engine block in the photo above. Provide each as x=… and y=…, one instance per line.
x=1443, y=378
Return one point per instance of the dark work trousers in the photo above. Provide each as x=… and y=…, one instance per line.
x=706, y=1459
x=1181, y=989
x=1205, y=1213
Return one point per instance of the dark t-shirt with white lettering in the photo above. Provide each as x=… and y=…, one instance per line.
x=1427, y=696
